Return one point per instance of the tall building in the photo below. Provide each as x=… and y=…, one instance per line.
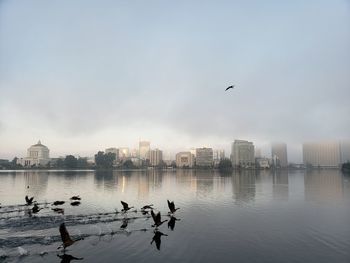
x=242, y=154
x=156, y=157
x=204, y=157
x=124, y=153
x=113, y=150
x=144, y=148
x=37, y=155
x=345, y=151
x=184, y=159
x=279, y=154
x=218, y=155
x=322, y=154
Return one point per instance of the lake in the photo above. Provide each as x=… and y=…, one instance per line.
x=251, y=216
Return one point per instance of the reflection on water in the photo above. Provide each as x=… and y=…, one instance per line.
x=249, y=216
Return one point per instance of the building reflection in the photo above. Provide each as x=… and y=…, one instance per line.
x=323, y=185
x=37, y=181
x=243, y=185
x=205, y=182
x=185, y=178
x=106, y=179
x=280, y=189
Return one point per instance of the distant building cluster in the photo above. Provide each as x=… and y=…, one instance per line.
x=244, y=155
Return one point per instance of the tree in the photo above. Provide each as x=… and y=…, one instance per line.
x=225, y=164
x=82, y=162
x=103, y=160
x=128, y=164
x=70, y=162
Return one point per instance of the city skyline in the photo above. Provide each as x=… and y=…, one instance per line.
x=85, y=76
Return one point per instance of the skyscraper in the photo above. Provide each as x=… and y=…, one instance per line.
x=279, y=154
x=144, y=148
x=184, y=159
x=156, y=157
x=242, y=154
x=322, y=154
x=204, y=157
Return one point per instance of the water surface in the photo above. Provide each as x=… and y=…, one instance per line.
x=293, y=216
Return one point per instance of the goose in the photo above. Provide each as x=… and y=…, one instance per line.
x=36, y=208
x=157, y=219
x=147, y=207
x=156, y=238
x=29, y=201
x=75, y=197
x=58, y=210
x=75, y=203
x=171, y=206
x=58, y=203
x=126, y=206
x=66, y=239
x=68, y=258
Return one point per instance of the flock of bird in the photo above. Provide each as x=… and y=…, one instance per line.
x=145, y=210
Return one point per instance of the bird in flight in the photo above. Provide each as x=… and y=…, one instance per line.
x=230, y=87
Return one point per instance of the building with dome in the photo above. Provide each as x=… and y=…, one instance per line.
x=37, y=155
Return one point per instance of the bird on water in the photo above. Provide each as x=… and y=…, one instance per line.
x=171, y=206
x=229, y=87
x=75, y=203
x=126, y=207
x=36, y=208
x=66, y=239
x=58, y=203
x=75, y=197
x=157, y=219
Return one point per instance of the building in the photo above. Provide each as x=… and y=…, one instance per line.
x=204, y=157
x=322, y=154
x=144, y=148
x=156, y=157
x=37, y=155
x=242, y=154
x=184, y=159
x=115, y=151
x=218, y=155
x=345, y=151
x=124, y=153
x=279, y=154
x=262, y=163
x=258, y=153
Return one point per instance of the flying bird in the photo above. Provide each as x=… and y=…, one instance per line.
x=171, y=206
x=157, y=219
x=58, y=203
x=66, y=239
x=147, y=207
x=230, y=87
x=126, y=206
x=29, y=201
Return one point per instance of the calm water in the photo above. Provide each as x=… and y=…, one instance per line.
x=240, y=217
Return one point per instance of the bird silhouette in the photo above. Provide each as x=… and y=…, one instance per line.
x=36, y=208
x=171, y=223
x=125, y=224
x=29, y=201
x=66, y=239
x=75, y=197
x=157, y=219
x=58, y=203
x=171, y=206
x=147, y=207
x=157, y=238
x=230, y=87
x=58, y=210
x=125, y=206
x=75, y=203
x=68, y=258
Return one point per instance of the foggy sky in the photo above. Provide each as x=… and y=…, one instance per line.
x=86, y=75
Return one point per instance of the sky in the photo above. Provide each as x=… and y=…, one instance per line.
x=83, y=75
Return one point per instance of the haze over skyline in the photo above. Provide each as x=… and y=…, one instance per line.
x=83, y=76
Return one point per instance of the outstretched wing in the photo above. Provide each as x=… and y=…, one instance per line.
x=169, y=204
x=64, y=233
x=158, y=217
x=230, y=87
x=125, y=205
x=153, y=216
